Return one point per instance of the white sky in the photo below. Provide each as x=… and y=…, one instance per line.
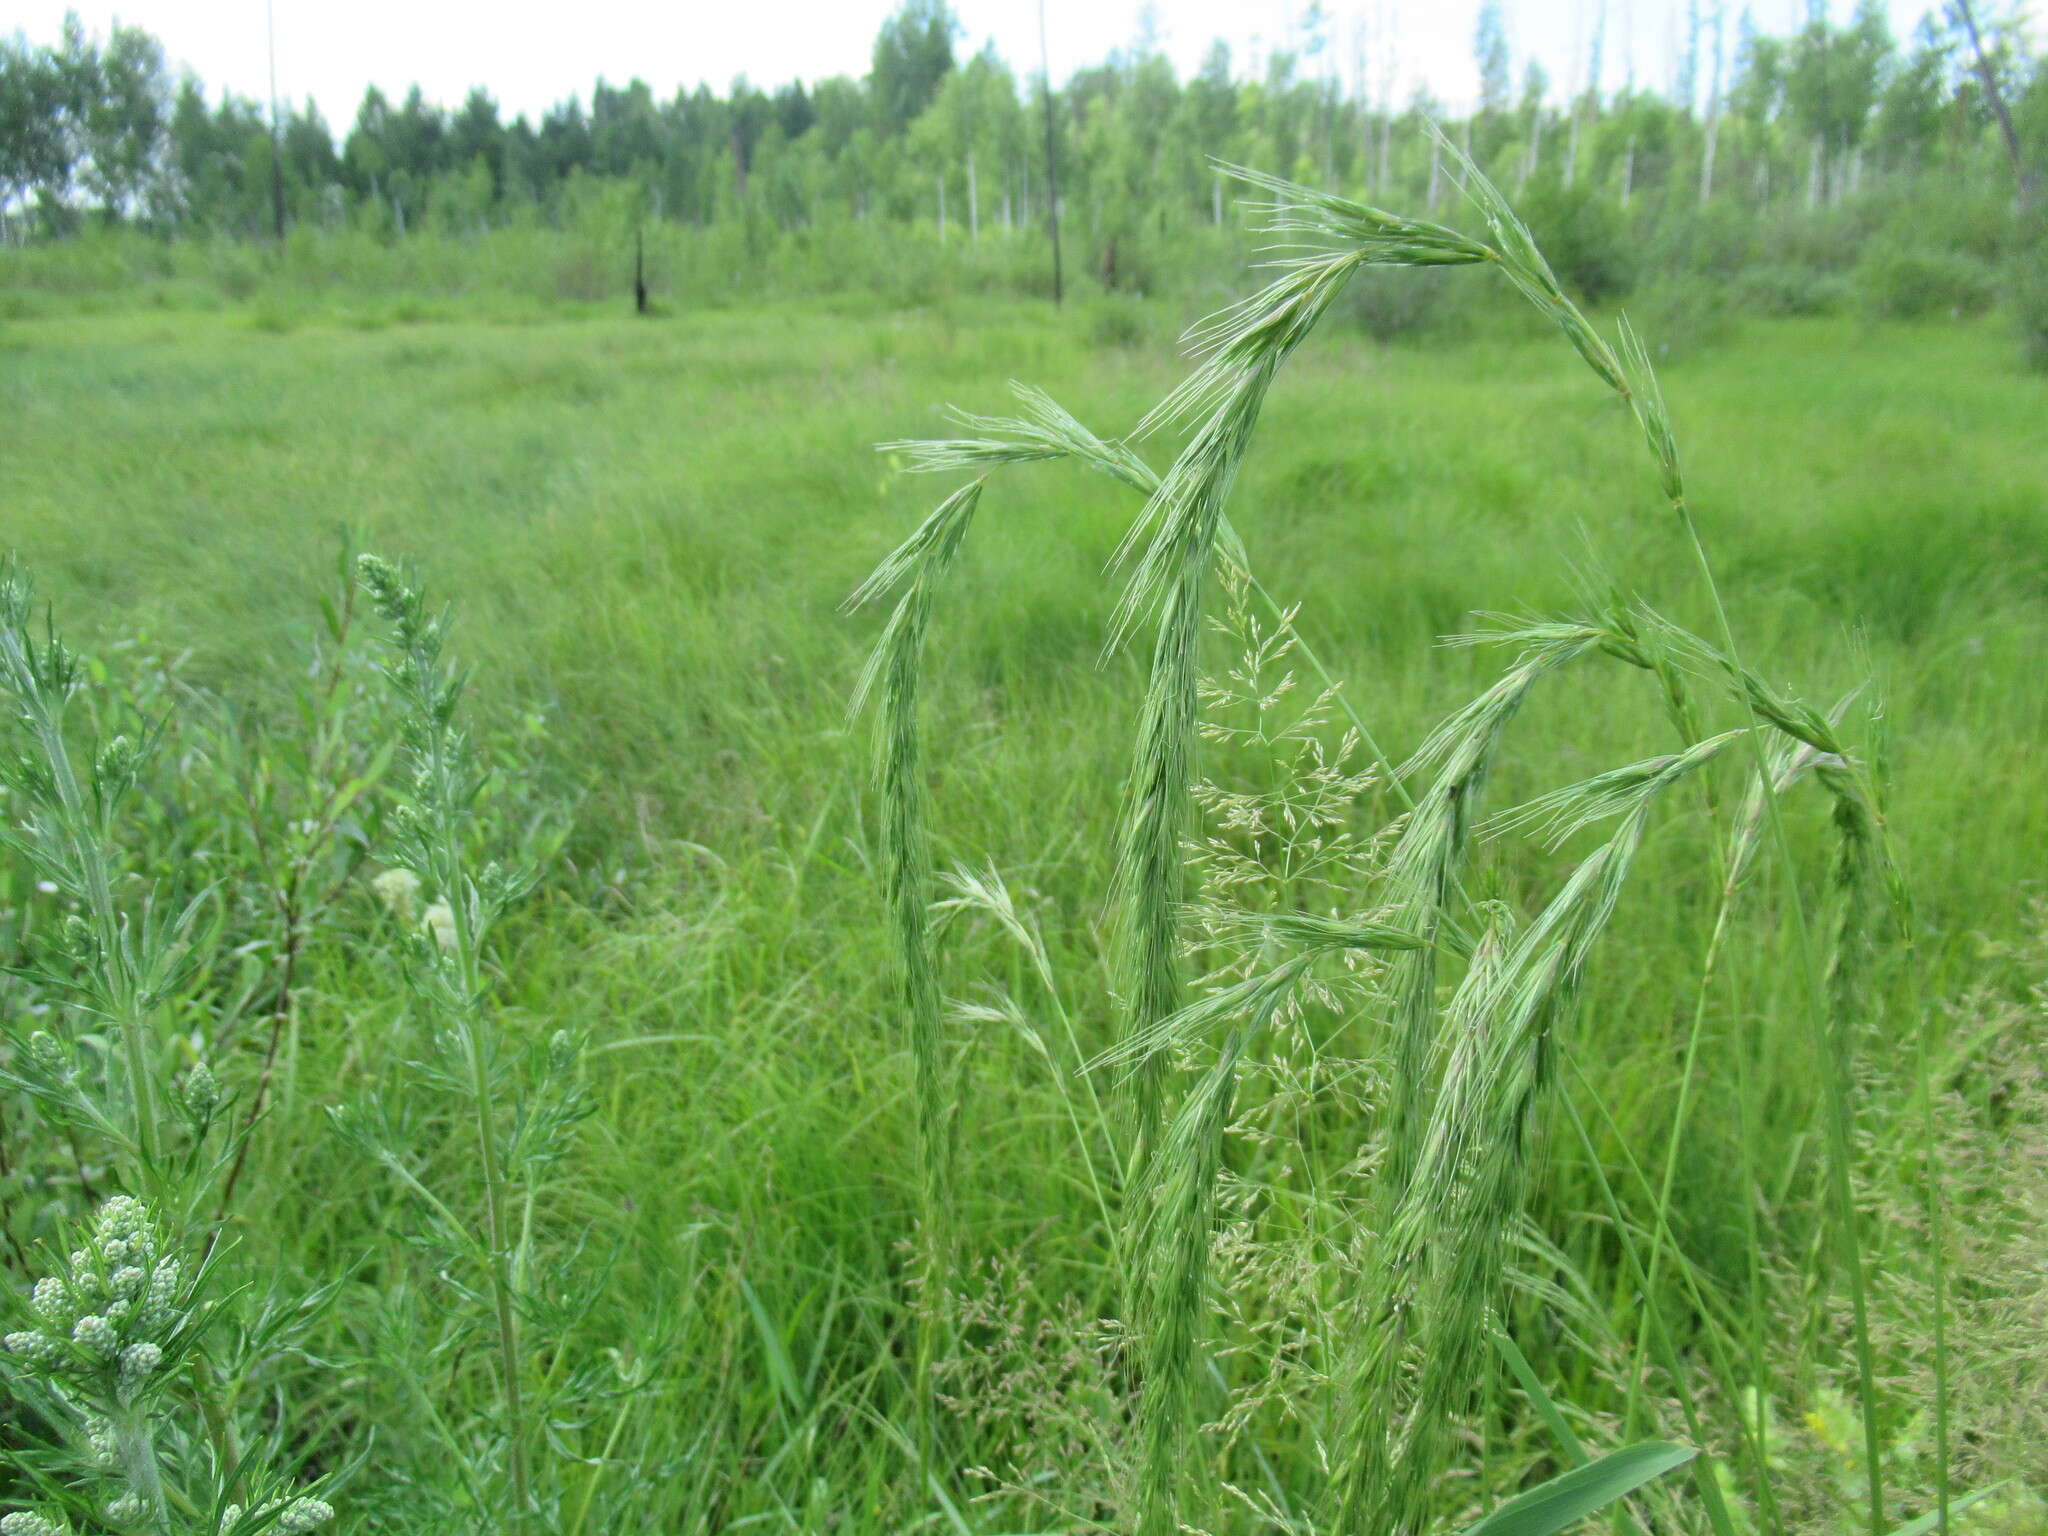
x=530, y=55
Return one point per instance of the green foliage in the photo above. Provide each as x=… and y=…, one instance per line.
x=115, y=1345
x=1571, y=1496
x=1585, y=237
x=1789, y=290
x=913, y=52
x=1831, y=139
x=1902, y=284
x=717, y=1296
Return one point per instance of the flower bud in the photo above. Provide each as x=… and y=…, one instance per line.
x=202, y=1091
x=99, y=1438
x=123, y=1216
x=399, y=890
x=116, y=762
x=95, y=1333
x=305, y=1514
x=159, y=1303
x=35, y=1348
x=50, y=1058
x=77, y=937
x=49, y=1300
x=438, y=923
x=381, y=581
x=137, y=1361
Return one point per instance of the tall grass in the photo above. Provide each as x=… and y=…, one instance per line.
x=1474, y=1075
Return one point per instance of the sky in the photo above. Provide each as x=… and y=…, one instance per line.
x=530, y=55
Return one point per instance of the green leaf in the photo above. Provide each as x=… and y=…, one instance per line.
x=1573, y=1495
x=1932, y=1518
x=779, y=1366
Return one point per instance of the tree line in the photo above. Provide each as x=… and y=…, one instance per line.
x=96, y=128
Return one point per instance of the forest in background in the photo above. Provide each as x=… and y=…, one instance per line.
x=1791, y=174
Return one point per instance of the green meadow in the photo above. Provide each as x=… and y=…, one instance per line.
x=647, y=530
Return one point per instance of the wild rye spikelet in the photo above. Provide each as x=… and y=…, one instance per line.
x=1439, y=1265
x=893, y=679
x=1171, y=543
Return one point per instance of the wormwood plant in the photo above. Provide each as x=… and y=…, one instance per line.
x=184, y=859
x=1471, y=1010
x=116, y=958
x=111, y=1353
x=522, y=1105
x=133, y=1355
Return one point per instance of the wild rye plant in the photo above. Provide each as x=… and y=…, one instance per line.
x=1473, y=1012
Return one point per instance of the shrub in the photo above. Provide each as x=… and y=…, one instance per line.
x=1898, y=284
x=1582, y=236
x=1397, y=302
x=1685, y=314
x=1786, y=289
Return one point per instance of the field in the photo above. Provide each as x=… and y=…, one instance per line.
x=647, y=529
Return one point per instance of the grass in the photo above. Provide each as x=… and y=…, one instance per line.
x=650, y=528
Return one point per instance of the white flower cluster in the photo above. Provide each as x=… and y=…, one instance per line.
x=104, y=1320
x=399, y=889
x=28, y=1523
